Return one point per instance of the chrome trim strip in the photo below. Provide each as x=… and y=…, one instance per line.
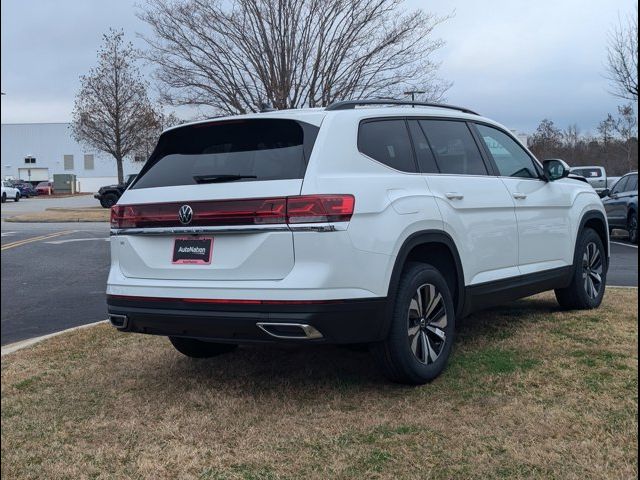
x=316, y=227
x=310, y=333
x=199, y=230
x=226, y=229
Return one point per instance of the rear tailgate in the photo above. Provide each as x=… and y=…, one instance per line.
x=233, y=177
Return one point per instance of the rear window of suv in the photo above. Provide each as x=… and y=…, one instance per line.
x=229, y=150
x=588, y=172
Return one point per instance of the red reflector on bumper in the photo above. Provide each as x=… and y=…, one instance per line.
x=220, y=301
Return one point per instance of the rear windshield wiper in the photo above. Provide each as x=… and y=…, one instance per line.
x=220, y=178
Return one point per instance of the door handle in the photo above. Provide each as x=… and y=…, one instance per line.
x=454, y=196
x=519, y=196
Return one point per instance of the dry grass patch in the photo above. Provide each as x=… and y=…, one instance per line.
x=531, y=392
x=57, y=215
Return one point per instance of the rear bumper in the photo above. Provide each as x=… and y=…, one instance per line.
x=338, y=321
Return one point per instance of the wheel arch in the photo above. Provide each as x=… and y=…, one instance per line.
x=437, y=248
x=595, y=220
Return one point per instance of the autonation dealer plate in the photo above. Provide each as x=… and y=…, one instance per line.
x=193, y=250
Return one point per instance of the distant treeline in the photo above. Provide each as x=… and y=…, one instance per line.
x=615, y=147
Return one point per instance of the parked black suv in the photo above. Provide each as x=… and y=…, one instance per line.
x=110, y=194
x=621, y=204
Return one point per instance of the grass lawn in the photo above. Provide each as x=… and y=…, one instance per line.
x=531, y=392
x=57, y=214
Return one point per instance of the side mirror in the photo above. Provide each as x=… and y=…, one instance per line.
x=555, y=169
x=604, y=193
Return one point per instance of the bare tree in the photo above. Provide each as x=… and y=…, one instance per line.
x=112, y=111
x=546, y=140
x=163, y=121
x=606, y=129
x=233, y=56
x=571, y=135
x=622, y=57
x=626, y=126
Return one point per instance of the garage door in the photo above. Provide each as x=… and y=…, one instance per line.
x=34, y=174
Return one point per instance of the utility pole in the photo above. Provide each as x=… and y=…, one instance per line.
x=413, y=95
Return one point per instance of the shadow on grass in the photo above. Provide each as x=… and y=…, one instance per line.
x=308, y=372
x=505, y=320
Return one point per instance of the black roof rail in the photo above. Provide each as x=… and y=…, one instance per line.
x=351, y=104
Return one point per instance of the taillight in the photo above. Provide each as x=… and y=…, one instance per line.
x=258, y=211
x=320, y=208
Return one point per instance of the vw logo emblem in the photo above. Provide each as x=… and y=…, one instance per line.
x=185, y=214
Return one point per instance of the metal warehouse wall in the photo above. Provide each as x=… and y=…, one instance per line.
x=49, y=143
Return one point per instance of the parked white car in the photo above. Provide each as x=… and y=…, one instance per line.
x=8, y=191
x=382, y=225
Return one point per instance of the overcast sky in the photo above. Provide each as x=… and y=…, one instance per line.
x=514, y=61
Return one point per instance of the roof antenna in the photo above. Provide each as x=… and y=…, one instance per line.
x=265, y=107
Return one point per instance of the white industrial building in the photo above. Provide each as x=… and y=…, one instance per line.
x=35, y=151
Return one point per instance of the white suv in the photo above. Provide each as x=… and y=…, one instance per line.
x=382, y=225
x=9, y=191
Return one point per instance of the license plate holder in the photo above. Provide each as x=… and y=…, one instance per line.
x=192, y=250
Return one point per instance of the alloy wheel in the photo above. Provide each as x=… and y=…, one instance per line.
x=427, y=323
x=633, y=228
x=592, y=268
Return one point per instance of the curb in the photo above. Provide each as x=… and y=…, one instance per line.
x=14, y=347
x=630, y=245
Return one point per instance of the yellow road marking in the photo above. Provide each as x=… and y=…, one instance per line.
x=18, y=243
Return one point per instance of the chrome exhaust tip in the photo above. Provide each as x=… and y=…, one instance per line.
x=290, y=331
x=118, y=321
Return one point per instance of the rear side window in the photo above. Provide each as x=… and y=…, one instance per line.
x=424, y=155
x=234, y=150
x=453, y=145
x=387, y=141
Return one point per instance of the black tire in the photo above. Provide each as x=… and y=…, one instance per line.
x=17, y=199
x=632, y=227
x=110, y=199
x=402, y=356
x=590, y=264
x=194, y=348
x=4, y=197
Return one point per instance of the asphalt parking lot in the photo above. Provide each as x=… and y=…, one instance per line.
x=54, y=274
x=53, y=277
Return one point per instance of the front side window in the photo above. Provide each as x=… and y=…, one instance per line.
x=453, y=145
x=621, y=186
x=387, y=141
x=510, y=158
x=231, y=150
x=632, y=183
